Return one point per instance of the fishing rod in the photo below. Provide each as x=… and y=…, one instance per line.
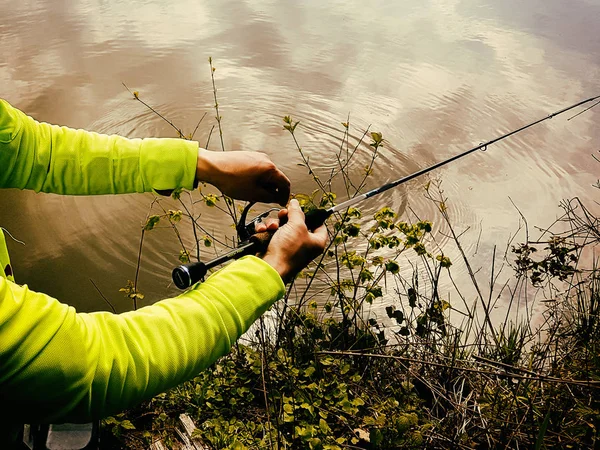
x=186, y=275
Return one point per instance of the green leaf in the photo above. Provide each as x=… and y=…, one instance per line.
x=358, y=401
x=375, y=437
x=392, y=266
x=425, y=226
x=151, y=222
x=327, y=199
x=394, y=313
x=184, y=256
x=176, y=194
x=420, y=249
x=377, y=140
x=126, y=424
x=211, y=200
x=444, y=261
x=352, y=229
x=175, y=216
x=323, y=426
x=412, y=298
x=365, y=275
x=327, y=361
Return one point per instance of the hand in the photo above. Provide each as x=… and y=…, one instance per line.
x=242, y=175
x=293, y=246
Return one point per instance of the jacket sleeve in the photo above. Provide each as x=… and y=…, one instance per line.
x=58, y=365
x=49, y=158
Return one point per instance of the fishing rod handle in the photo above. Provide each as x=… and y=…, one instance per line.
x=187, y=275
x=316, y=217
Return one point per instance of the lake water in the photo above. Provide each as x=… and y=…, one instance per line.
x=434, y=77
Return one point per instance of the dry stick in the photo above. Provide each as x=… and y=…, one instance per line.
x=103, y=297
x=197, y=125
x=575, y=229
x=503, y=365
x=181, y=135
x=322, y=187
x=139, y=258
x=348, y=158
x=346, y=177
x=223, y=210
x=537, y=377
x=262, y=370
x=174, y=227
x=338, y=156
x=469, y=312
x=136, y=96
x=209, y=135
x=306, y=161
x=492, y=276
x=319, y=264
x=137, y=270
x=346, y=138
x=232, y=210
x=193, y=226
x=472, y=275
x=212, y=76
x=367, y=172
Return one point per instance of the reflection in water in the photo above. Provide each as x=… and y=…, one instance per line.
x=434, y=77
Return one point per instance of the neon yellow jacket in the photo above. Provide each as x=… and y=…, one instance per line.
x=57, y=365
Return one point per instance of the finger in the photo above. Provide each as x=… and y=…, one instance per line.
x=266, y=195
x=271, y=224
x=295, y=213
x=279, y=185
x=321, y=235
x=282, y=215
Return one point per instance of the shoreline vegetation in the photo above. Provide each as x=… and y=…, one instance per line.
x=431, y=373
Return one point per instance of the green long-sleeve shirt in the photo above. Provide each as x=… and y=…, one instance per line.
x=57, y=365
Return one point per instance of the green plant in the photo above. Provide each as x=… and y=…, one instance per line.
x=331, y=371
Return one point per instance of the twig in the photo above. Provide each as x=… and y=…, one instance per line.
x=537, y=377
x=137, y=97
x=103, y=297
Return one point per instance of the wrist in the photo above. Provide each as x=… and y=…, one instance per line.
x=205, y=166
x=279, y=264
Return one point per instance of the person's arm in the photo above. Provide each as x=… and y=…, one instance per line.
x=59, y=365
x=62, y=160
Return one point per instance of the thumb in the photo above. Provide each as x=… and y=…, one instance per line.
x=295, y=213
